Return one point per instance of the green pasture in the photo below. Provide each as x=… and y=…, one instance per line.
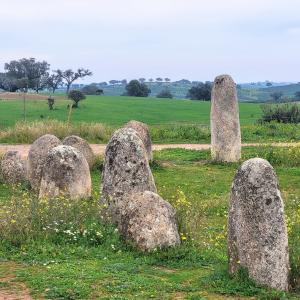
x=116, y=110
x=40, y=250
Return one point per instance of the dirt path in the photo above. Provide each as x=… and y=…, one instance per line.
x=100, y=148
x=10, y=289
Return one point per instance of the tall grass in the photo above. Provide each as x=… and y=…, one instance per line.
x=28, y=132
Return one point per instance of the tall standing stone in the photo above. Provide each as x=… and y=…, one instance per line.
x=144, y=134
x=66, y=172
x=224, y=121
x=37, y=156
x=257, y=233
x=126, y=170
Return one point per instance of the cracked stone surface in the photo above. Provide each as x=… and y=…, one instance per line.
x=37, y=156
x=66, y=172
x=126, y=170
x=81, y=145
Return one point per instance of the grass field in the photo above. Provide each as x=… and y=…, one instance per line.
x=118, y=110
x=46, y=249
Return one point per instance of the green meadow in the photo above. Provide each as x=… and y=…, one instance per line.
x=116, y=110
x=69, y=254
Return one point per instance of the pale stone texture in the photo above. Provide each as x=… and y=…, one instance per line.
x=66, y=172
x=12, y=168
x=144, y=134
x=148, y=222
x=126, y=170
x=257, y=234
x=224, y=121
x=81, y=145
x=37, y=156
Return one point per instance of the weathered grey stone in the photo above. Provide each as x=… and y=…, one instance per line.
x=148, y=222
x=37, y=156
x=224, y=121
x=126, y=170
x=81, y=145
x=12, y=168
x=257, y=234
x=144, y=134
x=66, y=172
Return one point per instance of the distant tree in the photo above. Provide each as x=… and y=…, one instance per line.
x=183, y=81
x=71, y=76
x=269, y=83
x=150, y=79
x=41, y=83
x=104, y=83
x=76, y=96
x=28, y=73
x=167, y=79
x=159, y=79
x=276, y=96
x=137, y=89
x=239, y=87
x=124, y=81
x=92, y=89
x=166, y=93
x=142, y=80
x=113, y=82
x=8, y=83
x=297, y=95
x=54, y=81
x=200, y=92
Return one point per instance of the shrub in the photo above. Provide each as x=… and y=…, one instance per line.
x=137, y=89
x=200, y=92
x=76, y=96
x=166, y=93
x=283, y=113
x=92, y=89
x=50, y=102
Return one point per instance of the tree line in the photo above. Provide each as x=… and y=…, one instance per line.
x=29, y=74
x=137, y=88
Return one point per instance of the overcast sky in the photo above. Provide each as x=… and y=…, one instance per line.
x=195, y=39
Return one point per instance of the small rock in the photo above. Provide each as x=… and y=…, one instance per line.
x=66, y=172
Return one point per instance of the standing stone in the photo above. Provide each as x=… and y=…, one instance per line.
x=13, y=168
x=36, y=158
x=149, y=222
x=257, y=233
x=144, y=134
x=66, y=172
x=126, y=170
x=224, y=121
x=81, y=145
